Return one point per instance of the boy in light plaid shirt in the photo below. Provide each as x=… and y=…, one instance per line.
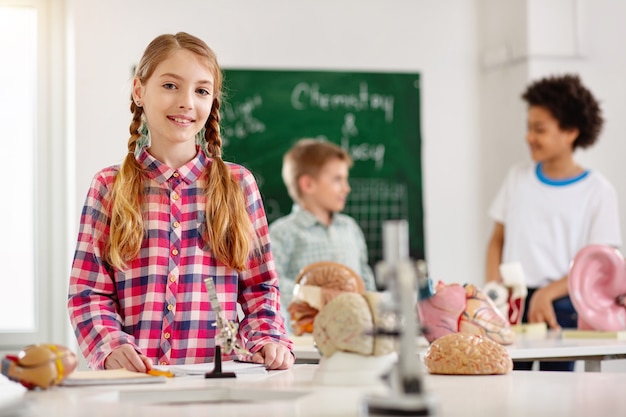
x=315, y=173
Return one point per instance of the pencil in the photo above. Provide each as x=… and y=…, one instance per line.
x=157, y=372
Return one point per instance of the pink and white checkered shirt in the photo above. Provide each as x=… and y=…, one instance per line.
x=159, y=303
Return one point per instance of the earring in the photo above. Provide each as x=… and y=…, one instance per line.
x=138, y=103
x=144, y=140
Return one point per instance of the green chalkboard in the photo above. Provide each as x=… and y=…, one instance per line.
x=375, y=116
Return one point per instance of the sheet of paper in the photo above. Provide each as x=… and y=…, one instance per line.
x=227, y=366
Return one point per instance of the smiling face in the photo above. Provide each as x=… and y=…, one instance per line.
x=545, y=138
x=176, y=99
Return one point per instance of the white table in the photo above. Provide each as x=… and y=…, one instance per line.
x=525, y=348
x=591, y=351
x=293, y=394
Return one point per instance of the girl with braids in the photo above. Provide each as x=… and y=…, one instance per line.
x=171, y=215
x=549, y=209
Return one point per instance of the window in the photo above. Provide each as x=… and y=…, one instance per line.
x=18, y=43
x=33, y=146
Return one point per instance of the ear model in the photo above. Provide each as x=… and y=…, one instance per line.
x=597, y=280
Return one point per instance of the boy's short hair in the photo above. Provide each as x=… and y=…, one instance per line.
x=571, y=104
x=307, y=157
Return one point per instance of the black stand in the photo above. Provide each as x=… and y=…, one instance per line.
x=217, y=369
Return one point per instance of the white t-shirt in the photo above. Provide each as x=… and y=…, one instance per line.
x=546, y=222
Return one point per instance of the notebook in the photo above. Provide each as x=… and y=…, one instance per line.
x=110, y=377
x=593, y=334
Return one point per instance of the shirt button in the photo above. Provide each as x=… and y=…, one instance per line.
x=175, y=174
x=175, y=196
x=172, y=278
x=176, y=225
x=175, y=252
x=170, y=307
x=163, y=363
x=166, y=335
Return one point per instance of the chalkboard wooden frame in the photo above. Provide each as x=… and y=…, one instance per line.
x=375, y=116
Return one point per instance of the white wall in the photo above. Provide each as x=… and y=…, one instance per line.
x=435, y=38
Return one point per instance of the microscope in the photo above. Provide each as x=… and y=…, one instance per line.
x=400, y=275
x=226, y=337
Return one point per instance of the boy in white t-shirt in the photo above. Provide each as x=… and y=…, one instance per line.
x=549, y=209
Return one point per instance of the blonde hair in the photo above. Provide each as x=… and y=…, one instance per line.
x=230, y=233
x=308, y=157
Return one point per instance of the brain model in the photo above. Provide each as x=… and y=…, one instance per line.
x=347, y=323
x=316, y=285
x=466, y=309
x=467, y=354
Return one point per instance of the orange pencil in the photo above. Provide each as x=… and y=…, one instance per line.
x=157, y=372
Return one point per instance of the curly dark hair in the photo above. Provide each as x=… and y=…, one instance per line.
x=571, y=104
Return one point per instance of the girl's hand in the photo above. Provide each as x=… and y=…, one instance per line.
x=128, y=358
x=274, y=356
x=540, y=309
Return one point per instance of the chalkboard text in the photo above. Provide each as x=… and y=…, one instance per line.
x=305, y=95
x=241, y=116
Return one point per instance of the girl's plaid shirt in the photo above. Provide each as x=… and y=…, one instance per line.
x=159, y=303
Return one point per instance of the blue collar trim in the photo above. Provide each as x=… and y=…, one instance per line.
x=560, y=182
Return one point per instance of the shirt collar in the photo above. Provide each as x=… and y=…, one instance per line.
x=306, y=219
x=558, y=182
x=160, y=172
